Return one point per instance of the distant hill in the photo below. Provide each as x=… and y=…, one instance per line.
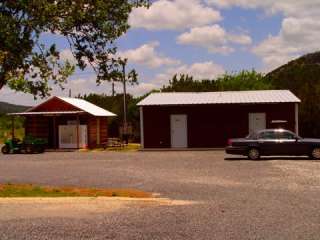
x=302, y=77
x=9, y=108
x=311, y=61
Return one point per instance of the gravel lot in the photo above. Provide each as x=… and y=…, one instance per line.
x=230, y=198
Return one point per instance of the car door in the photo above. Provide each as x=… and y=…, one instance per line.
x=267, y=141
x=290, y=144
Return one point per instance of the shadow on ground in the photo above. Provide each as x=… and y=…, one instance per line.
x=269, y=159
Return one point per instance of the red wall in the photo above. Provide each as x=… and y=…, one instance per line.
x=210, y=125
x=42, y=127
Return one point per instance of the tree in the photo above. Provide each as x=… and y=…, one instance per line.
x=244, y=80
x=302, y=77
x=89, y=26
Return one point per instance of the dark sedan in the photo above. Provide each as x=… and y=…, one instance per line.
x=274, y=142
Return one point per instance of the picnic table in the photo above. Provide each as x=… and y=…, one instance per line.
x=113, y=142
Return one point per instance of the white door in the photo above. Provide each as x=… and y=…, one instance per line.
x=257, y=122
x=68, y=136
x=179, y=136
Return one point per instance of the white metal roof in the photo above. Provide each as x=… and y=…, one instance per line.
x=229, y=97
x=82, y=105
x=88, y=107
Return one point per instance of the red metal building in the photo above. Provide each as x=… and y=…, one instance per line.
x=67, y=123
x=208, y=120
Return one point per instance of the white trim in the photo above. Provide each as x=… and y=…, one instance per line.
x=296, y=112
x=141, y=128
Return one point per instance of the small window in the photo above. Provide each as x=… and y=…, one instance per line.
x=286, y=135
x=267, y=135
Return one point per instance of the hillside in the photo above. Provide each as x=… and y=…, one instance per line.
x=302, y=77
x=8, y=108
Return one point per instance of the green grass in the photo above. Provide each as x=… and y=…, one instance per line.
x=6, y=134
x=28, y=190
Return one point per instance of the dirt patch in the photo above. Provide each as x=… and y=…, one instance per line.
x=28, y=190
x=75, y=207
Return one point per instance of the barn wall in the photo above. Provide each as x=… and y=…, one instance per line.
x=92, y=131
x=210, y=125
x=42, y=127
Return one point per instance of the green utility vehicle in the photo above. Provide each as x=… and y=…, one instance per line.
x=28, y=145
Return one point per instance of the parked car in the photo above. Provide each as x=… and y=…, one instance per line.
x=274, y=142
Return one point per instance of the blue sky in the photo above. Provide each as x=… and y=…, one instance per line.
x=203, y=38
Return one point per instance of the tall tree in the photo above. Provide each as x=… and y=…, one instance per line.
x=90, y=27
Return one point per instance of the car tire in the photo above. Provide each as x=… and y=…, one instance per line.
x=253, y=154
x=5, y=150
x=315, y=154
x=29, y=150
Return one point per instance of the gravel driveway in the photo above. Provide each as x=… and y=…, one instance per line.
x=229, y=198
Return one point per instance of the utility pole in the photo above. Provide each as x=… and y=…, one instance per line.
x=125, y=124
x=113, y=91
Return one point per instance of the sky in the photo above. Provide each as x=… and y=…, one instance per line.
x=202, y=38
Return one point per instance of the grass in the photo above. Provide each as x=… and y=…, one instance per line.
x=28, y=190
x=6, y=134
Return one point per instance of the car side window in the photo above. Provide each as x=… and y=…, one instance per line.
x=267, y=135
x=286, y=135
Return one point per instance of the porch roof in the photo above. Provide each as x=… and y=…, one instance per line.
x=47, y=113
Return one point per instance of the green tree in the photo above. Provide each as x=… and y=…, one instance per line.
x=302, y=77
x=244, y=80
x=90, y=27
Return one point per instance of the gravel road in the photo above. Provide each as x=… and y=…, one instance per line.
x=209, y=197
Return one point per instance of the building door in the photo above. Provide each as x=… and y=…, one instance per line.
x=68, y=136
x=179, y=136
x=257, y=122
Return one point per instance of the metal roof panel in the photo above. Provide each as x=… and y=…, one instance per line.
x=228, y=97
x=88, y=107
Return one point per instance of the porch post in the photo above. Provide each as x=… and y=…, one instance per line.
x=297, y=118
x=98, y=132
x=54, y=133
x=141, y=128
x=12, y=125
x=78, y=135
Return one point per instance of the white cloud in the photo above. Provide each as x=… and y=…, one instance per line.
x=147, y=55
x=287, y=7
x=173, y=15
x=202, y=70
x=299, y=33
x=296, y=37
x=66, y=55
x=214, y=38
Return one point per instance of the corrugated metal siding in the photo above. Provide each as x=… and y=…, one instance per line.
x=210, y=125
x=232, y=97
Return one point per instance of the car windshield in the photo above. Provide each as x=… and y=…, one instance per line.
x=269, y=134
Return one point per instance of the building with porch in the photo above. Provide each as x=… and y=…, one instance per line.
x=67, y=123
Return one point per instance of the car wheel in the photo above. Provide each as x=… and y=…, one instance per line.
x=253, y=154
x=29, y=150
x=315, y=153
x=5, y=150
